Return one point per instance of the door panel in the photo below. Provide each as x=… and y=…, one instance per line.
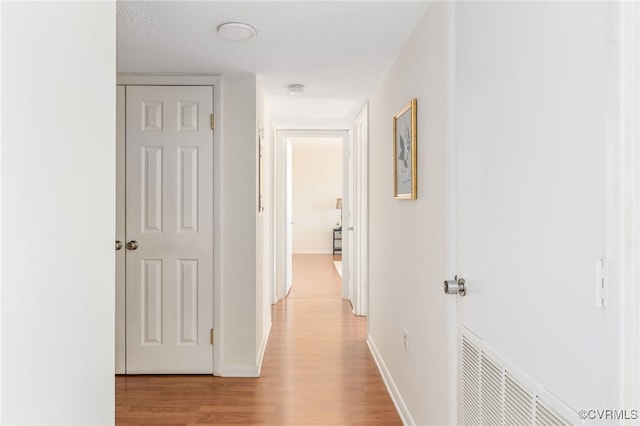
x=532, y=134
x=359, y=165
x=169, y=214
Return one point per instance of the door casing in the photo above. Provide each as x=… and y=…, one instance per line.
x=125, y=79
x=358, y=229
x=282, y=223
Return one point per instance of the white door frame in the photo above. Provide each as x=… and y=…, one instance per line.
x=283, y=262
x=185, y=80
x=630, y=202
x=121, y=325
x=288, y=251
x=358, y=229
x=455, y=392
x=272, y=202
x=348, y=218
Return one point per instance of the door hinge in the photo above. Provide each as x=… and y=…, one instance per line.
x=213, y=122
x=601, y=283
x=213, y=336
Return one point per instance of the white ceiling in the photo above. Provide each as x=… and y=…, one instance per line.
x=339, y=50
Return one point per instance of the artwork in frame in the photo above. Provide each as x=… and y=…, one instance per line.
x=405, y=158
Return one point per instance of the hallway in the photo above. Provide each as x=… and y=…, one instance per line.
x=317, y=370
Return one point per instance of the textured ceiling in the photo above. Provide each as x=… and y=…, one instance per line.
x=338, y=49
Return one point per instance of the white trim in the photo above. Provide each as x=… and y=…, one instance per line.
x=348, y=248
x=240, y=370
x=313, y=133
x=1, y=145
x=629, y=226
x=454, y=397
x=394, y=393
x=161, y=79
x=213, y=80
x=218, y=227
x=120, y=296
x=272, y=204
x=282, y=136
x=359, y=162
x=330, y=251
x=263, y=347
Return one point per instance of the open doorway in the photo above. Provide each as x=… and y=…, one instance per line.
x=314, y=193
x=310, y=170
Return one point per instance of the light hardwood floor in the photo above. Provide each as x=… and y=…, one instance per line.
x=317, y=370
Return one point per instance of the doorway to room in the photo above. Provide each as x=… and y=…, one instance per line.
x=307, y=214
x=314, y=201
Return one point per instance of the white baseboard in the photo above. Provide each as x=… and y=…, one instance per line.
x=247, y=370
x=240, y=370
x=263, y=347
x=401, y=407
x=330, y=251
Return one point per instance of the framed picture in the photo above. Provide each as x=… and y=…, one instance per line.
x=405, y=152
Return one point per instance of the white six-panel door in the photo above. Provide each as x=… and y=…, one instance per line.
x=169, y=291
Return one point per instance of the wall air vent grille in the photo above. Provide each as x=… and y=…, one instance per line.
x=545, y=416
x=470, y=383
x=491, y=395
x=518, y=403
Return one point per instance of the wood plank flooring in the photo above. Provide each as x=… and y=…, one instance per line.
x=317, y=370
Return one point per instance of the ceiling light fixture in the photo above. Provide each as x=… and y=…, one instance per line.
x=237, y=31
x=295, y=89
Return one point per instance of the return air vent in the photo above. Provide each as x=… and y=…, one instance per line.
x=491, y=395
x=519, y=404
x=471, y=385
x=491, y=392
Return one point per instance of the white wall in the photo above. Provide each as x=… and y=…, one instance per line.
x=317, y=183
x=408, y=238
x=536, y=98
x=265, y=252
x=236, y=268
x=1, y=119
x=58, y=212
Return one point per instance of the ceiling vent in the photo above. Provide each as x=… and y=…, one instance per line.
x=237, y=31
x=295, y=89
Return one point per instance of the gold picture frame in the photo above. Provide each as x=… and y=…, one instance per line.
x=405, y=152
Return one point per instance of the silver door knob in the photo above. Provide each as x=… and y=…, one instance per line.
x=350, y=228
x=455, y=286
x=132, y=245
x=119, y=245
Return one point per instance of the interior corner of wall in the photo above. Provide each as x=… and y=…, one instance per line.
x=387, y=378
x=263, y=347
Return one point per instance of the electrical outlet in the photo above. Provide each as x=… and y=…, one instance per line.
x=405, y=341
